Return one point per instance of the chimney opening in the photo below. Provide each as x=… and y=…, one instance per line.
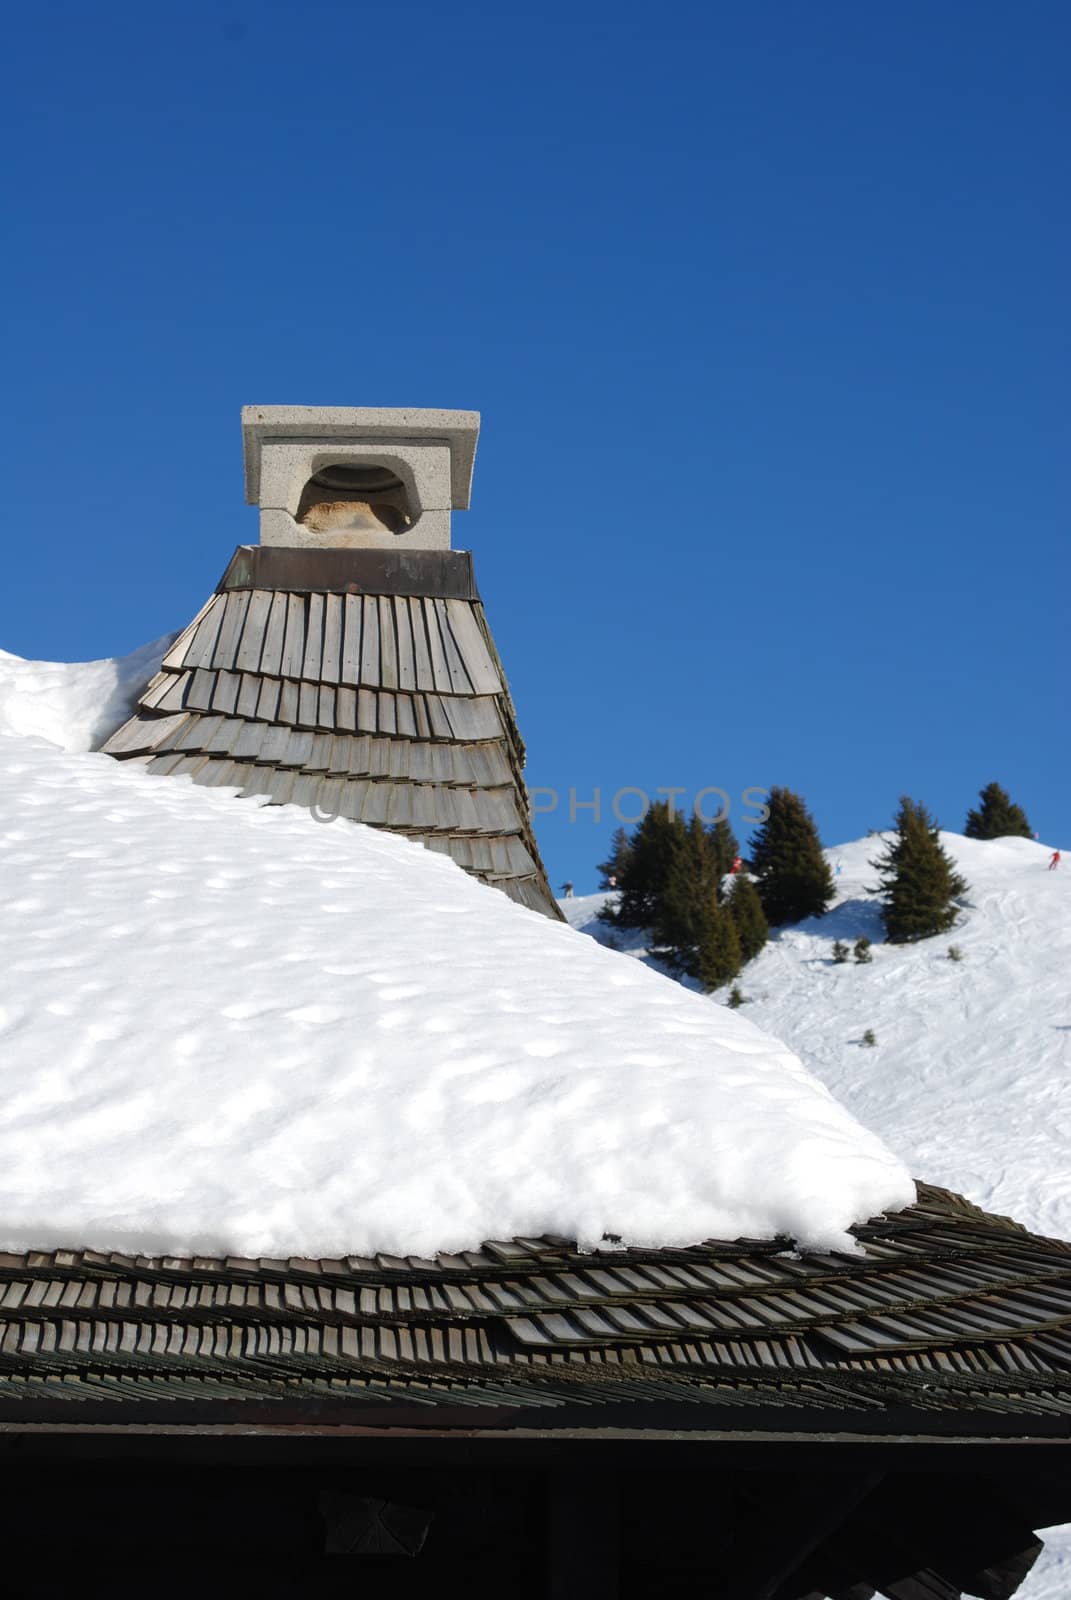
x=343, y=496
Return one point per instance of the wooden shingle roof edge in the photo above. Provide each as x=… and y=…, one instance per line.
x=947, y=1321
x=364, y=684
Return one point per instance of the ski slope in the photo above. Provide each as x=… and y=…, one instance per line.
x=970, y=1079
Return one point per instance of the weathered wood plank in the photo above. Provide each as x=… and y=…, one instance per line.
x=294, y=644
x=162, y=765
x=308, y=704
x=374, y=804
x=351, y=802
x=425, y=677
x=346, y=705
x=319, y=757
x=329, y=797
x=340, y=756
x=332, y=656
x=403, y=632
x=248, y=695
x=201, y=689
x=276, y=745
x=472, y=719
x=148, y=733
x=367, y=711
x=225, y=693
x=230, y=634
x=510, y=857
x=468, y=636
x=327, y=716
x=249, y=652
x=298, y=748
x=350, y=665
x=420, y=717
x=440, y=671
x=423, y=805
x=312, y=664
x=156, y=688
x=455, y=665
x=370, y=640
x=386, y=714
x=379, y=758
x=171, y=696
x=288, y=702
x=437, y=718
x=217, y=734
x=388, y=645
x=202, y=647
x=399, y=805
x=447, y=817
x=176, y=656
x=405, y=722
x=271, y=657
x=259, y=783
x=469, y=819
x=268, y=700
x=398, y=753
x=247, y=744
x=280, y=785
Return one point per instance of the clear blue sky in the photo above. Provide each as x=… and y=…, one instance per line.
x=765, y=307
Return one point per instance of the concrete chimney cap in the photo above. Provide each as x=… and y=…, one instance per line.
x=341, y=425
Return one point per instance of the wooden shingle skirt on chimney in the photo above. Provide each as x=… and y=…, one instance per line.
x=345, y=664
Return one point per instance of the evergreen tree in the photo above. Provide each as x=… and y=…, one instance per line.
x=919, y=882
x=861, y=951
x=616, y=862
x=718, y=956
x=997, y=817
x=745, y=908
x=725, y=847
x=686, y=903
x=840, y=952
x=793, y=875
x=650, y=856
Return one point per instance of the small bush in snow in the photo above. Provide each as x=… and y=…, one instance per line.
x=955, y=953
x=840, y=951
x=736, y=997
x=870, y=1038
x=861, y=951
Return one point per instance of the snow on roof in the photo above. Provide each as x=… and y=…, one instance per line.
x=231, y=1029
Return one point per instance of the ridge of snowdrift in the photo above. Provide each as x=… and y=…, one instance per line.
x=75, y=704
x=235, y=1030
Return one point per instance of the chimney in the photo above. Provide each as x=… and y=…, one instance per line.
x=358, y=477
x=344, y=663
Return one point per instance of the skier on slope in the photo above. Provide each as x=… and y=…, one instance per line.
x=1055, y=862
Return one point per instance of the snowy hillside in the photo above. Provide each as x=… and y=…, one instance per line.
x=970, y=1079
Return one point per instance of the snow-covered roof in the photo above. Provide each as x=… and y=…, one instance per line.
x=229, y=1029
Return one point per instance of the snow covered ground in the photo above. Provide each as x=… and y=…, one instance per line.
x=970, y=1079
x=231, y=1029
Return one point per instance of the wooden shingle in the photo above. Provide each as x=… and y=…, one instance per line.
x=382, y=706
